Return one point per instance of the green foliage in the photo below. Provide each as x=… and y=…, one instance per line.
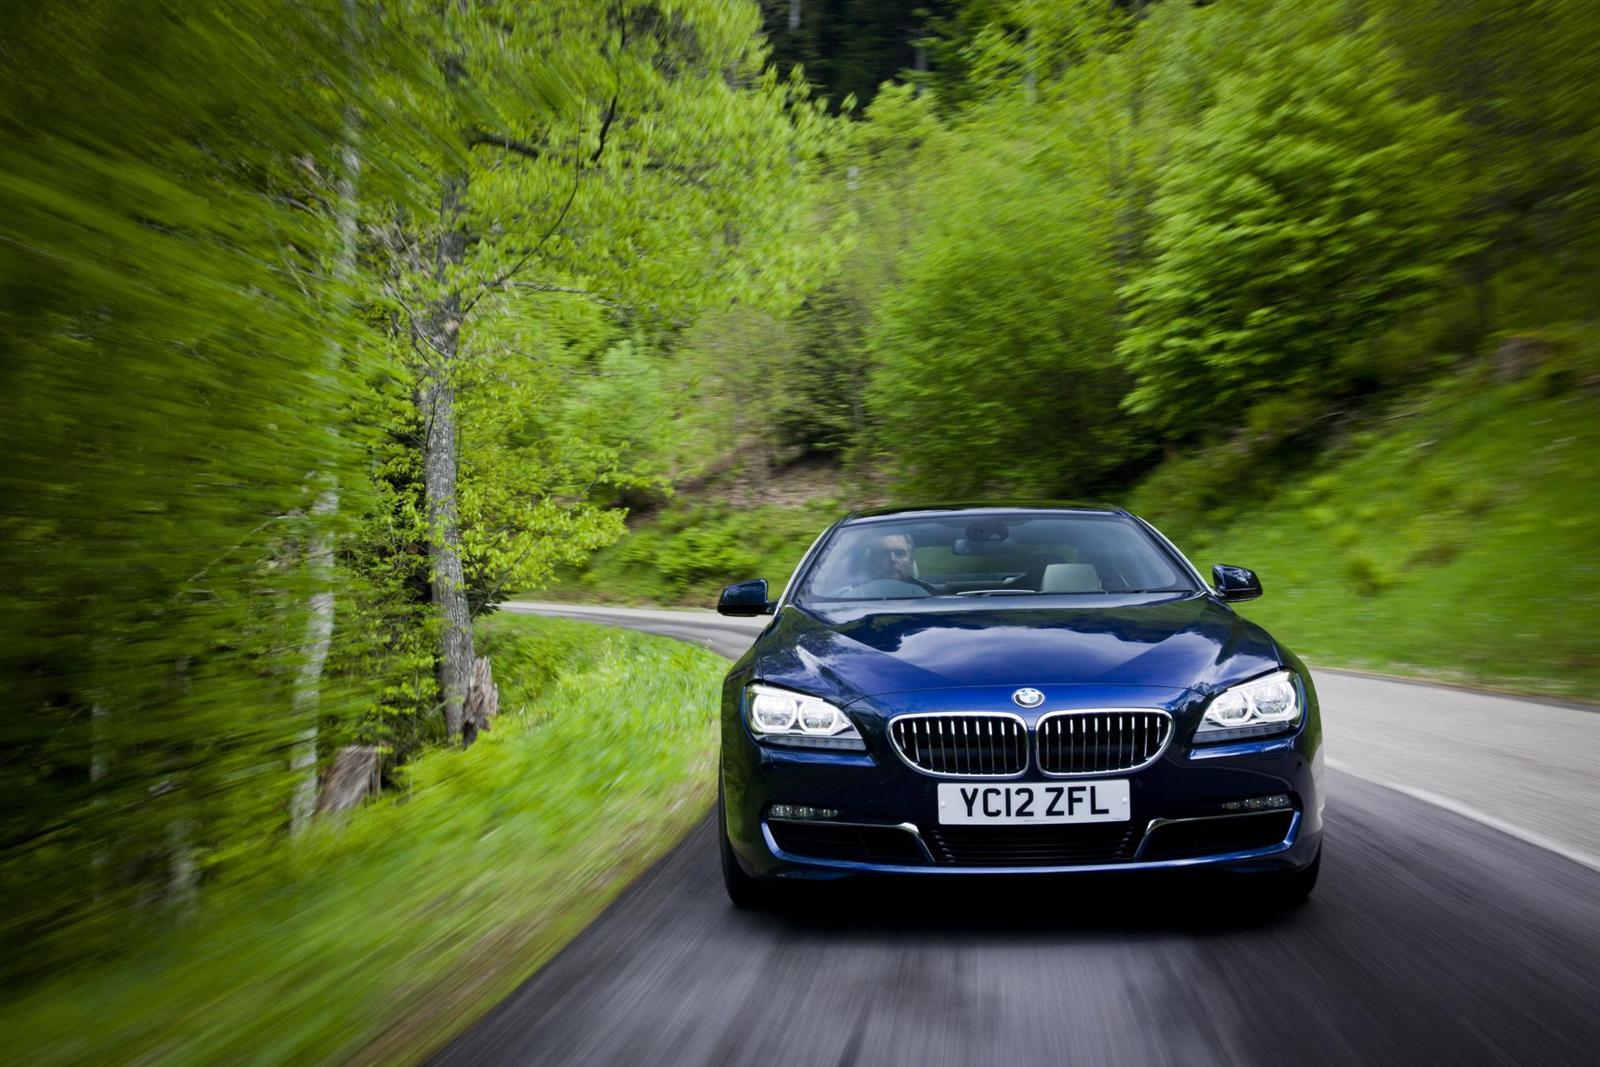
x=384, y=935
x=818, y=408
x=992, y=367
x=692, y=552
x=1522, y=76
x=222, y=283
x=1028, y=46
x=175, y=379
x=1452, y=537
x=1312, y=206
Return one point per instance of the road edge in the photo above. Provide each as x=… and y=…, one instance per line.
x=1467, y=811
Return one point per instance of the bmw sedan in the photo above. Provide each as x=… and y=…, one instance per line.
x=1010, y=690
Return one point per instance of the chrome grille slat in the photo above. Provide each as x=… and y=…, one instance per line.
x=962, y=745
x=995, y=744
x=1100, y=742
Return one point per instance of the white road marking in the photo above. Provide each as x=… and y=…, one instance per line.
x=1467, y=811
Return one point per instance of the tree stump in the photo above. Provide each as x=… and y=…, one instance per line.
x=1517, y=357
x=483, y=701
x=353, y=775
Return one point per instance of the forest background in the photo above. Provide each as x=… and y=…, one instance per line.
x=328, y=326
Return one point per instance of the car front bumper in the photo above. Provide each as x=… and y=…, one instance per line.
x=1178, y=814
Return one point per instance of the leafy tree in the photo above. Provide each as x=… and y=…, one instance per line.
x=992, y=366
x=819, y=409
x=637, y=157
x=1313, y=205
x=1521, y=76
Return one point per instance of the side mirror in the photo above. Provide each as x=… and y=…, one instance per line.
x=1235, y=583
x=745, y=598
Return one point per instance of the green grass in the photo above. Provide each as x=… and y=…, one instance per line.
x=688, y=553
x=1457, y=539
x=377, y=939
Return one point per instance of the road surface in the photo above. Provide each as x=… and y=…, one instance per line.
x=1458, y=922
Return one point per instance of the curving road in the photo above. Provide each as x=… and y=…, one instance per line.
x=1458, y=922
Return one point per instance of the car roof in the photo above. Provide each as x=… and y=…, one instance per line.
x=979, y=508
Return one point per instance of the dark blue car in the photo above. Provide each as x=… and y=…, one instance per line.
x=1004, y=690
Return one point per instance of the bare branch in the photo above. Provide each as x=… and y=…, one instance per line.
x=510, y=144
x=605, y=128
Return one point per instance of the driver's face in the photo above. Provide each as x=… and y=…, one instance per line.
x=893, y=557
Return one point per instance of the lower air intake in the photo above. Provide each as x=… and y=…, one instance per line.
x=836, y=841
x=1033, y=846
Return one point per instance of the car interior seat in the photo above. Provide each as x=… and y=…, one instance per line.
x=1070, y=578
x=1033, y=577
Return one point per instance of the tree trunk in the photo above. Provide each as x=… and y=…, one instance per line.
x=183, y=877
x=99, y=763
x=483, y=703
x=1030, y=78
x=437, y=399
x=794, y=15
x=308, y=683
x=353, y=776
x=307, y=702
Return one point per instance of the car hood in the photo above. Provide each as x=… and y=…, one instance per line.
x=1190, y=642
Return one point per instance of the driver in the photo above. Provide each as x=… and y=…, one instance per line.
x=890, y=557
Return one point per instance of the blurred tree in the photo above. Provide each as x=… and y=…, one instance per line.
x=235, y=363
x=992, y=366
x=1522, y=75
x=556, y=126
x=819, y=409
x=848, y=48
x=1312, y=205
x=166, y=278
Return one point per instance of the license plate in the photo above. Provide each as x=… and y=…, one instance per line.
x=1034, y=803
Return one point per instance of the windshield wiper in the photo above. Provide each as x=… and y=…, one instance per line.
x=995, y=592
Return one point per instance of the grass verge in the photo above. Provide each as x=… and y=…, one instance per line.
x=1458, y=540
x=376, y=940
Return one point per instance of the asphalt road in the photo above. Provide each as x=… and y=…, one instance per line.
x=1432, y=938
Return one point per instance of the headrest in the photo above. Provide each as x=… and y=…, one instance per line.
x=1070, y=578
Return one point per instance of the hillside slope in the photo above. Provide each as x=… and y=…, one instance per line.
x=1454, y=537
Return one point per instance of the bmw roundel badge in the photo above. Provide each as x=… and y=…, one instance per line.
x=1028, y=698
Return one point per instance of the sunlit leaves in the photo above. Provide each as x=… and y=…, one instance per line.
x=1312, y=205
x=992, y=367
x=651, y=170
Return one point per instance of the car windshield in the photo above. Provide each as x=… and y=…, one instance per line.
x=992, y=555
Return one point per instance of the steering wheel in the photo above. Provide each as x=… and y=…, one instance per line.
x=887, y=589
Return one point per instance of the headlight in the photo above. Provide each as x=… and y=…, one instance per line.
x=783, y=717
x=1268, y=705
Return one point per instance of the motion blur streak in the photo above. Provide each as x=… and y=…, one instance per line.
x=1429, y=940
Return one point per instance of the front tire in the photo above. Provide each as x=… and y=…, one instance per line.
x=747, y=893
